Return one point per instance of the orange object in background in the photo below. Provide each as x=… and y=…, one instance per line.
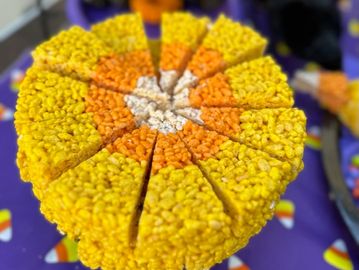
x=151, y=10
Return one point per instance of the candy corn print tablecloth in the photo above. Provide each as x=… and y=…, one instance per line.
x=306, y=233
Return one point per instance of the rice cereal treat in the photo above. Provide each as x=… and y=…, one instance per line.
x=181, y=35
x=143, y=177
x=279, y=132
x=74, y=52
x=226, y=44
x=99, y=198
x=131, y=69
x=255, y=84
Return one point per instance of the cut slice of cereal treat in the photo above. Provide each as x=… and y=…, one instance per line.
x=256, y=84
x=99, y=200
x=278, y=132
x=130, y=69
x=49, y=148
x=248, y=181
x=83, y=55
x=181, y=34
x=46, y=95
x=74, y=52
x=226, y=44
x=183, y=223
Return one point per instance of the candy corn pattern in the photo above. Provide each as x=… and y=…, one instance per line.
x=17, y=76
x=64, y=251
x=285, y=210
x=6, y=113
x=5, y=225
x=337, y=255
x=313, y=138
x=181, y=35
x=235, y=263
x=140, y=176
x=247, y=85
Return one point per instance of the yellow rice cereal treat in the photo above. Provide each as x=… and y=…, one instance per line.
x=48, y=148
x=248, y=181
x=255, y=84
x=97, y=202
x=226, y=44
x=181, y=35
x=123, y=33
x=131, y=70
x=149, y=179
x=278, y=132
x=47, y=95
x=183, y=224
x=73, y=52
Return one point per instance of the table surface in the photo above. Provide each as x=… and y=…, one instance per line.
x=311, y=235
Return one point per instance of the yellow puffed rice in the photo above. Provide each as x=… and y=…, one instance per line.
x=124, y=33
x=260, y=84
x=236, y=42
x=46, y=95
x=73, y=52
x=48, y=148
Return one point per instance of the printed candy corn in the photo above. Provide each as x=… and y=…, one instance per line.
x=337, y=255
x=64, y=251
x=235, y=263
x=6, y=113
x=17, y=76
x=313, y=138
x=5, y=225
x=285, y=213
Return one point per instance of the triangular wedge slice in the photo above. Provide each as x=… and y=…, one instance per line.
x=97, y=201
x=226, y=44
x=248, y=181
x=181, y=34
x=257, y=84
x=181, y=210
x=73, y=52
x=49, y=148
x=278, y=132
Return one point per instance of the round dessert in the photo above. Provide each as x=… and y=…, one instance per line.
x=175, y=169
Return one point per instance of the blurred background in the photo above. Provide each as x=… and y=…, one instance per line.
x=316, y=225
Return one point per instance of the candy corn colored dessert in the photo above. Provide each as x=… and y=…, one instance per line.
x=181, y=35
x=226, y=44
x=143, y=177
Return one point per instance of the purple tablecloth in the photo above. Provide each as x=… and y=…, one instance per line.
x=306, y=233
